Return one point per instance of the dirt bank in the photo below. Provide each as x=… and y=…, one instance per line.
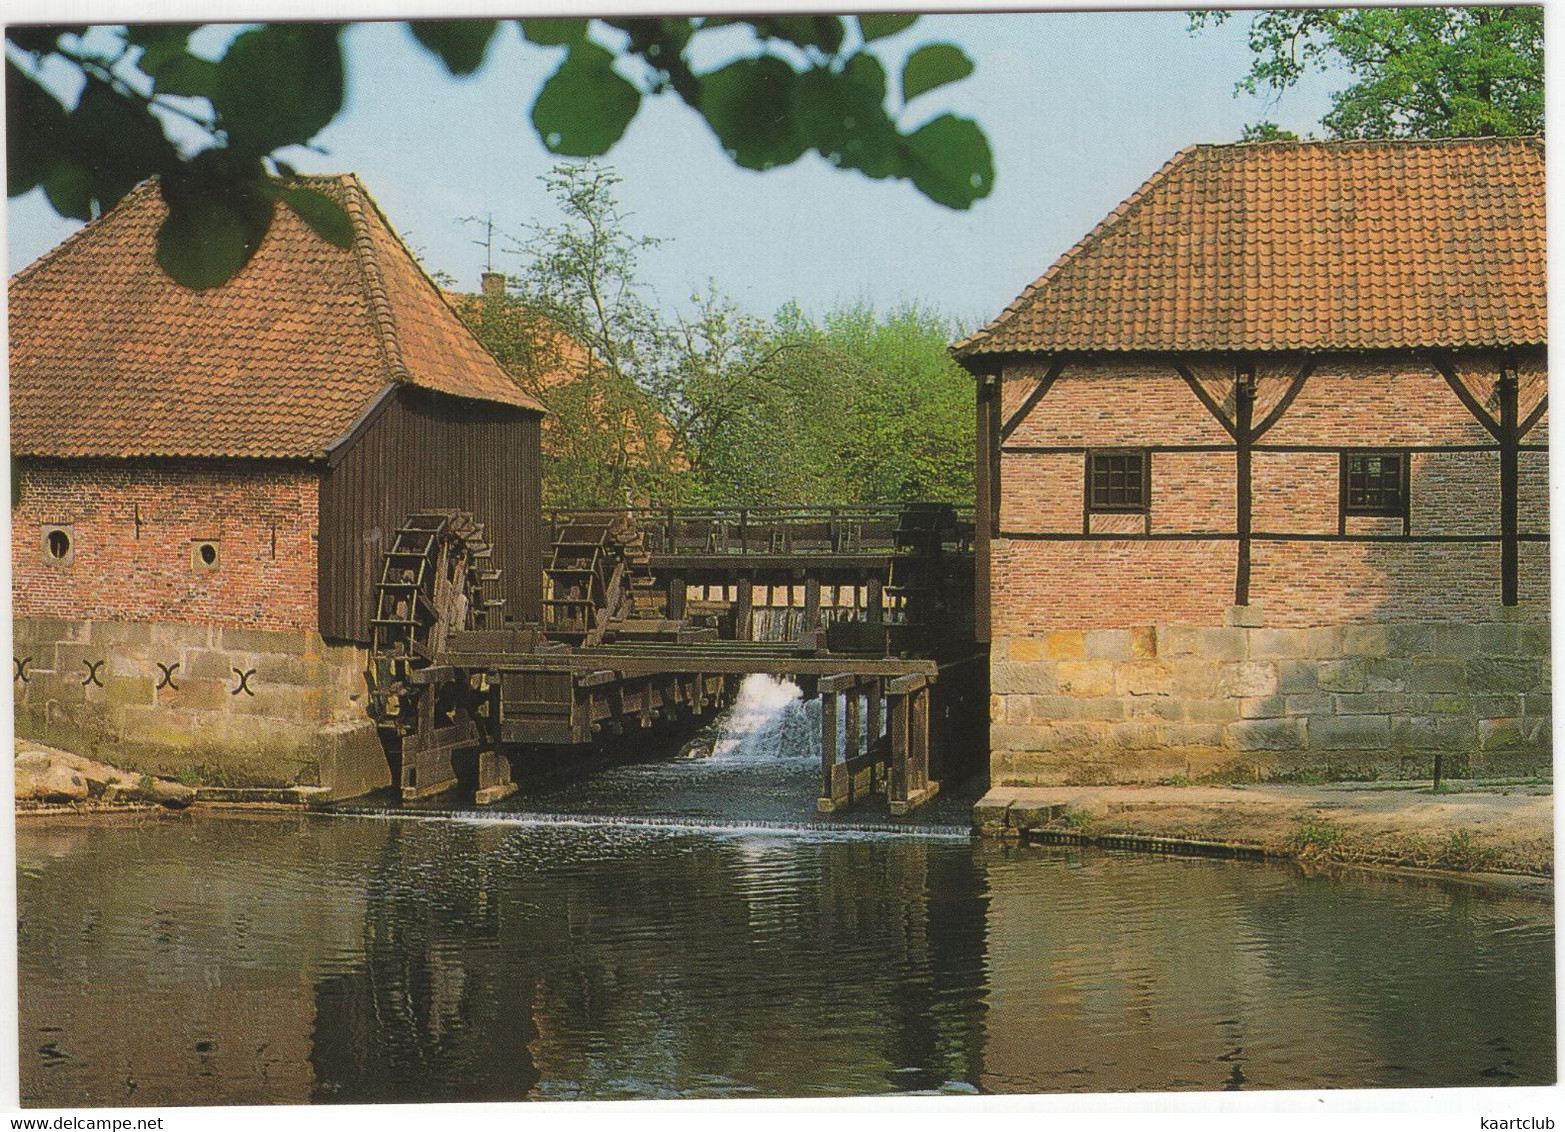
x=1471, y=827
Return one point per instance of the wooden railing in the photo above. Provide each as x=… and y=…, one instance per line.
x=855, y=529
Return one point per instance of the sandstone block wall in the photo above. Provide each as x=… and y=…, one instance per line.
x=227, y=706
x=1248, y=703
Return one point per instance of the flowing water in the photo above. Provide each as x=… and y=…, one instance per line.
x=687, y=927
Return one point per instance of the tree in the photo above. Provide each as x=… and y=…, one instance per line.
x=801, y=83
x=578, y=330
x=855, y=408
x=1419, y=72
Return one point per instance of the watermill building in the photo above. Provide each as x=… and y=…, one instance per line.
x=1263, y=470
x=206, y=481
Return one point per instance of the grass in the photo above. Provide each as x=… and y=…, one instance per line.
x=1316, y=838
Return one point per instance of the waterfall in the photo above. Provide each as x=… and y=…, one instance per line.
x=769, y=722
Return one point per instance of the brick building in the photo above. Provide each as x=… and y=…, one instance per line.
x=1263, y=472
x=205, y=480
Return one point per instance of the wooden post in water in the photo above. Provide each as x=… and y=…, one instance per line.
x=910, y=786
x=876, y=726
x=812, y=603
x=828, y=800
x=851, y=738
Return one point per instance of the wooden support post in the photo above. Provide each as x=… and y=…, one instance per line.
x=910, y=785
x=744, y=609
x=896, y=793
x=918, y=740
x=875, y=723
x=812, y=603
x=676, y=598
x=829, y=800
x=874, y=602
x=851, y=737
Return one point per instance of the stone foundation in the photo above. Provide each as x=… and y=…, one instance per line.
x=224, y=706
x=1251, y=703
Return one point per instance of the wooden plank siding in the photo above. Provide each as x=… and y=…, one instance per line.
x=426, y=451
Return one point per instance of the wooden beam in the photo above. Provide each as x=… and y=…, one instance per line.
x=1205, y=398
x=1510, y=435
x=841, y=682
x=1286, y=403
x=1045, y=383
x=1244, y=439
x=1447, y=369
x=1533, y=417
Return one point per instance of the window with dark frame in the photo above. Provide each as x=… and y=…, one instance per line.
x=1374, y=483
x=1117, y=481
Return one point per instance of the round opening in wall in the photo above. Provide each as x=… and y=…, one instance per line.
x=58, y=544
x=208, y=554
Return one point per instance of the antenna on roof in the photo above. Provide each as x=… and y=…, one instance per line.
x=487, y=243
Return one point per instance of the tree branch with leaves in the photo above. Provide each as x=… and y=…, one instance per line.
x=799, y=84
x=1417, y=72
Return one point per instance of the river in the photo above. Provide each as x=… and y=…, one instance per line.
x=686, y=927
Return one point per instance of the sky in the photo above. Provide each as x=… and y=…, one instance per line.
x=1079, y=108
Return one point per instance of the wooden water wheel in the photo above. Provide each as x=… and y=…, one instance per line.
x=434, y=580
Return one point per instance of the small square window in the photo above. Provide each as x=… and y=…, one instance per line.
x=1374, y=483
x=204, y=556
x=1117, y=481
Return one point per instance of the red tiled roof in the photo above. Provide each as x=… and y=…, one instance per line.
x=1303, y=246
x=110, y=357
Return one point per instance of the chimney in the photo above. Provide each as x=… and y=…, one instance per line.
x=493, y=284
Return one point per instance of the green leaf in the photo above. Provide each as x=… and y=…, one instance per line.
x=461, y=44
x=220, y=208
x=749, y=106
x=159, y=43
x=843, y=116
x=556, y=32
x=202, y=244
x=880, y=26
x=68, y=185
x=824, y=32
x=584, y=107
x=186, y=75
x=34, y=131
x=328, y=218
x=114, y=141
x=948, y=160
x=279, y=85
x=40, y=40
x=933, y=66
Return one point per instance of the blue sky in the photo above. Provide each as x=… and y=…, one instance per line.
x=1079, y=107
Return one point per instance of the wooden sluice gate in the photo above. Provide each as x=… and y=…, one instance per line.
x=649, y=617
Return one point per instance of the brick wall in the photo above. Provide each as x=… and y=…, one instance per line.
x=1346, y=403
x=262, y=518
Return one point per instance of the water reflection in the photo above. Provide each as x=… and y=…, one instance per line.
x=216, y=959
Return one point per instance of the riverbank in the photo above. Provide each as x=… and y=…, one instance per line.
x=1472, y=827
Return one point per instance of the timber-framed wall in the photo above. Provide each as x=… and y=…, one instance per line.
x=1358, y=643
